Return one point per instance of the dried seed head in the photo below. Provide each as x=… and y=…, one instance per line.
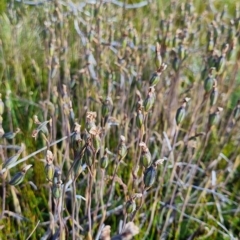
x=95, y=131
x=105, y=234
x=159, y=161
x=77, y=128
x=128, y=232
x=91, y=115
x=187, y=99
x=137, y=195
x=49, y=157
x=122, y=138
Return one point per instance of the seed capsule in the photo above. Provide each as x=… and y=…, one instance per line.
x=122, y=148
x=214, y=118
x=104, y=161
x=96, y=139
x=49, y=171
x=149, y=176
x=18, y=177
x=209, y=81
x=155, y=78
x=149, y=101
x=181, y=112
x=11, y=135
x=220, y=64
x=57, y=189
x=214, y=96
x=42, y=126
x=139, y=119
x=130, y=206
x=88, y=156
x=145, y=158
x=76, y=137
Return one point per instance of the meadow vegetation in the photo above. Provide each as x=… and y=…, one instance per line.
x=119, y=119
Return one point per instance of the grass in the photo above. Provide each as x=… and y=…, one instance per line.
x=90, y=64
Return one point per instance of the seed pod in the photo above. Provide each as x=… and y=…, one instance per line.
x=42, y=126
x=76, y=137
x=96, y=139
x=139, y=119
x=149, y=101
x=106, y=107
x=88, y=156
x=145, y=158
x=18, y=177
x=209, y=81
x=11, y=135
x=57, y=189
x=181, y=112
x=122, y=148
x=155, y=78
x=49, y=171
x=214, y=118
x=149, y=176
x=214, y=96
x=130, y=206
x=91, y=117
x=220, y=64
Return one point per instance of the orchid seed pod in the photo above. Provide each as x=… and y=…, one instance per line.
x=181, y=112
x=104, y=161
x=57, y=189
x=149, y=176
x=122, y=148
x=149, y=101
x=139, y=119
x=214, y=118
x=11, y=135
x=145, y=158
x=214, y=95
x=209, y=81
x=19, y=176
